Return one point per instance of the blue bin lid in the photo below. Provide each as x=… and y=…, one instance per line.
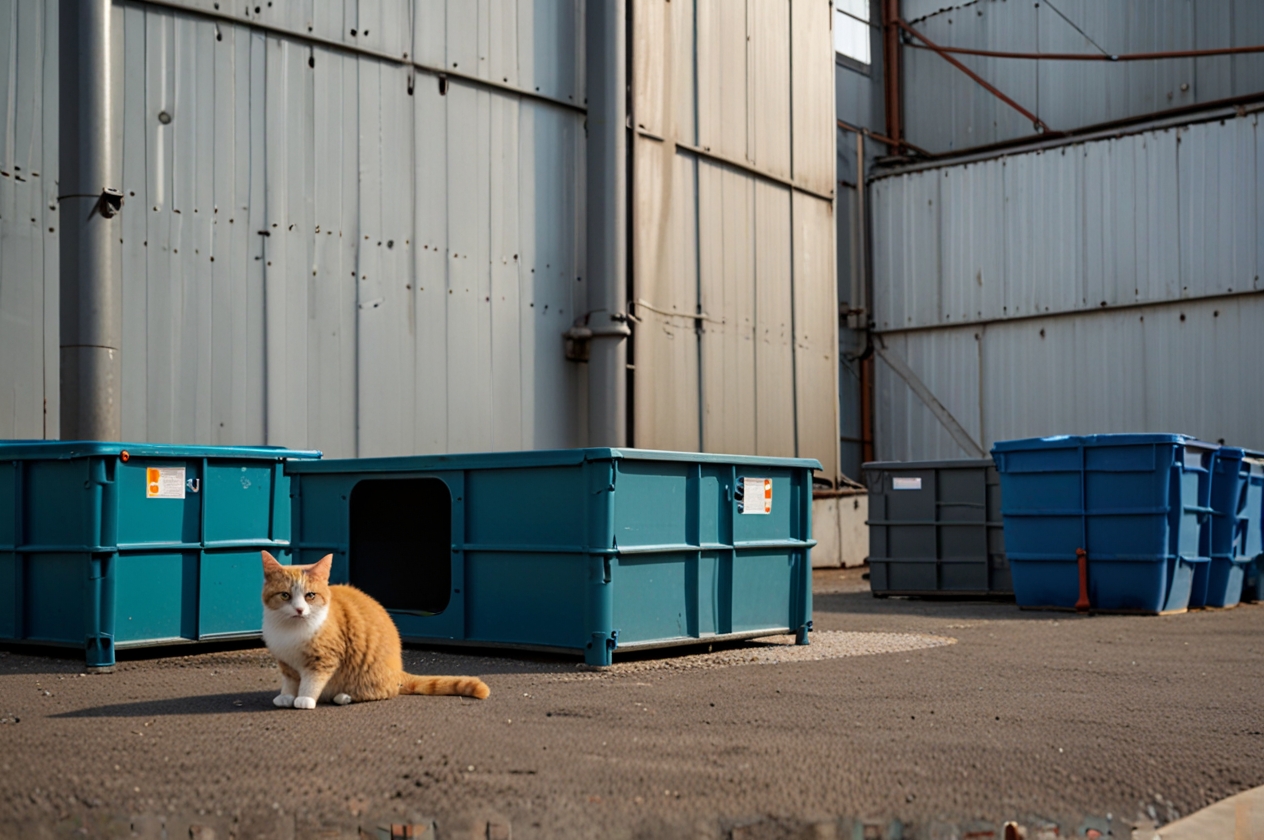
x=1125, y=439
x=538, y=458
x=22, y=450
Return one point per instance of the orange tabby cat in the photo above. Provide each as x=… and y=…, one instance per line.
x=337, y=643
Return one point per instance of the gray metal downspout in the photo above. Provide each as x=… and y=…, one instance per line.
x=91, y=292
x=606, y=84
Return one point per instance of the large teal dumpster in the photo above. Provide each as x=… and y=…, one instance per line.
x=582, y=551
x=114, y=545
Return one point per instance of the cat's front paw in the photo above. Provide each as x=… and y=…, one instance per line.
x=342, y=699
x=304, y=702
x=285, y=701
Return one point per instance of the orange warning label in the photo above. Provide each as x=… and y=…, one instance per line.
x=164, y=483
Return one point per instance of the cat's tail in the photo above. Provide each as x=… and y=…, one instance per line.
x=461, y=686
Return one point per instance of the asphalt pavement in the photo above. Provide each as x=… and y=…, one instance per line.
x=904, y=718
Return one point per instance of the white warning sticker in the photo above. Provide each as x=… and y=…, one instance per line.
x=164, y=483
x=757, y=495
x=905, y=482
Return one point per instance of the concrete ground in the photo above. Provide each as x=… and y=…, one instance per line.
x=912, y=719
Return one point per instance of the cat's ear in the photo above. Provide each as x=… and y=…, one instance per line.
x=320, y=569
x=270, y=564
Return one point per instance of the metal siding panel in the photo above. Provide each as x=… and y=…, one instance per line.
x=48, y=173
x=885, y=198
x=1257, y=208
x=768, y=48
x=684, y=89
x=161, y=288
x=652, y=65
x=665, y=242
x=253, y=213
x=663, y=69
x=386, y=325
x=470, y=399
x=383, y=25
x=727, y=282
x=503, y=53
x=201, y=38
x=1160, y=383
x=854, y=97
x=722, y=79
x=812, y=95
x=550, y=47
x=815, y=332
x=947, y=362
x=236, y=375
x=553, y=277
x=1218, y=222
x=1046, y=226
x=1246, y=70
x=463, y=49
x=1110, y=222
x=774, y=319
x=430, y=411
x=946, y=110
x=331, y=383
x=974, y=223
x=328, y=19
x=287, y=260
x=506, y=307
x=25, y=240
x=907, y=250
x=430, y=26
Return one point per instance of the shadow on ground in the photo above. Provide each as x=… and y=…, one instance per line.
x=205, y=704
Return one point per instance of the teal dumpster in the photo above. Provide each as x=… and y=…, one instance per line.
x=114, y=545
x=582, y=551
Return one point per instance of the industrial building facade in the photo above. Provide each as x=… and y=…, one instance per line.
x=366, y=227
x=1057, y=224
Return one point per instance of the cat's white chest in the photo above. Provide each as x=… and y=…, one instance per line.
x=287, y=639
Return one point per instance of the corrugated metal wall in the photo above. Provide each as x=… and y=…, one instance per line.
x=1101, y=286
x=29, y=250
x=322, y=247
x=1159, y=215
x=945, y=110
x=735, y=348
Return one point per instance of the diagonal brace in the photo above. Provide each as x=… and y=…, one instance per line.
x=918, y=387
x=1036, y=122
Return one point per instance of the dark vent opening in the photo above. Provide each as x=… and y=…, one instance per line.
x=401, y=537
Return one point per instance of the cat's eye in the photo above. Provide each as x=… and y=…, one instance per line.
x=285, y=596
x=311, y=596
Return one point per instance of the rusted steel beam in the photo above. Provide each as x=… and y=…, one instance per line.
x=1151, y=56
x=1035, y=120
x=881, y=138
x=892, y=100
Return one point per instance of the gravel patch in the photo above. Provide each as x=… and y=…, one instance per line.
x=776, y=650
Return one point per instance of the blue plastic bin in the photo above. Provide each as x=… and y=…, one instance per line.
x=1253, y=541
x=1232, y=538
x=1136, y=503
x=114, y=545
x=580, y=551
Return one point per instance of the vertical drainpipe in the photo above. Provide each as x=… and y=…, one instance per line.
x=606, y=85
x=89, y=201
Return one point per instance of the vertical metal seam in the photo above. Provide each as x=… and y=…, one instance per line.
x=355, y=258
x=794, y=330
x=697, y=244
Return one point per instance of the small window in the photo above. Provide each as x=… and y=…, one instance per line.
x=851, y=29
x=401, y=543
